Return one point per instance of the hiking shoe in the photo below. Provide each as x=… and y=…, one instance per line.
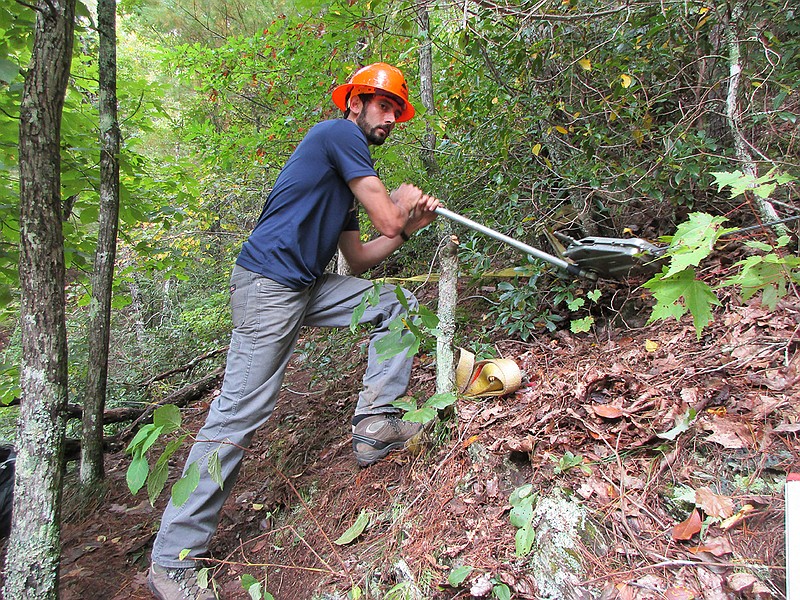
x=377, y=435
x=176, y=584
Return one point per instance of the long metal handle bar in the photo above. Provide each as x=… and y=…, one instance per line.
x=553, y=260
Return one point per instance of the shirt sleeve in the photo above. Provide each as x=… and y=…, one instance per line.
x=349, y=152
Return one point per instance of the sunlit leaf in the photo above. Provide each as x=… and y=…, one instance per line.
x=585, y=64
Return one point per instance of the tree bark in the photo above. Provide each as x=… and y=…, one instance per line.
x=734, y=115
x=448, y=259
x=91, y=469
x=32, y=558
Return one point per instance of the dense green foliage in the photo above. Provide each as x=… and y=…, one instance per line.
x=585, y=116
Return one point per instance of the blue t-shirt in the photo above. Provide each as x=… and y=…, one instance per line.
x=311, y=204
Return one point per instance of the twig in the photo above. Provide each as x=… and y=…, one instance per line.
x=316, y=522
x=683, y=563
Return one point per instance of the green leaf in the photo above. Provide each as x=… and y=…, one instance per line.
x=184, y=487
x=523, y=540
x=440, y=401
x=202, y=577
x=458, y=575
x=355, y=530
x=576, y=303
x=168, y=417
x=184, y=553
x=248, y=581
x=156, y=480
x=682, y=424
x=396, y=342
x=170, y=449
x=252, y=585
x=581, y=325
x=421, y=415
x=693, y=241
x=254, y=591
x=355, y=593
x=521, y=515
x=215, y=468
x=369, y=298
x=401, y=298
x=9, y=71
x=501, y=591
x=695, y=295
x=137, y=473
x=405, y=405
x=150, y=440
x=520, y=494
x=139, y=438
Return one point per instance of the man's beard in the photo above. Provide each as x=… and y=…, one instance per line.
x=373, y=137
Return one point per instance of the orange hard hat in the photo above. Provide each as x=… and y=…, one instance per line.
x=374, y=77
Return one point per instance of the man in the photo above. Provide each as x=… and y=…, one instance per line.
x=279, y=284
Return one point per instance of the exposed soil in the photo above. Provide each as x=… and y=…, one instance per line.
x=585, y=425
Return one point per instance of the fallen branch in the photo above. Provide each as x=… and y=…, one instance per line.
x=182, y=369
x=112, y=415
x=179, y=398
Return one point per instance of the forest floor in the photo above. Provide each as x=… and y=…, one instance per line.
x=657, y=463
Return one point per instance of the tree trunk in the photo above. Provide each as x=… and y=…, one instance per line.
x=448, y=297
x=32, y=558
x=734, y=115
x=448, y=261
x=91, y=470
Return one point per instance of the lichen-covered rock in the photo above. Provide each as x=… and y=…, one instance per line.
x=562, y=529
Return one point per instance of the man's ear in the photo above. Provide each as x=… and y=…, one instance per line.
x=356, y=105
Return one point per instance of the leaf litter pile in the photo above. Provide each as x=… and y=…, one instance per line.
x=633, y=463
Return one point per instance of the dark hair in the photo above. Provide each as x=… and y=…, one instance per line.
x=364, y=99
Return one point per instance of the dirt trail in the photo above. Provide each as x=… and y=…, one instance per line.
x=676, y=449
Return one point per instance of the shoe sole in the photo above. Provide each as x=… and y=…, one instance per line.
x=154, y=591
x=365, y=459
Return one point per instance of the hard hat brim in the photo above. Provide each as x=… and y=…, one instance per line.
x=339, y=97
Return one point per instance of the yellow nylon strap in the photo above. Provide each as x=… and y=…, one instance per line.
x=494, y=377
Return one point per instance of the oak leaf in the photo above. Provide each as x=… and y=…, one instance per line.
x=713, y=504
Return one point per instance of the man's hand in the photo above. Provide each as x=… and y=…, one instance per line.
x=422, y=212
x=406, y=197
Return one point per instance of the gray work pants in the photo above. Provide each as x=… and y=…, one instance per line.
x=267, y=317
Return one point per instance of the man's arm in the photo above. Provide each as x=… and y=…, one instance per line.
x=362, y=256
x=389, y=213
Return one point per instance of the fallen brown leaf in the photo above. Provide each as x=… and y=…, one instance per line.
x=727, y=433
x=607, y=411
x=686, y=529
x=679, y=593
x=713, y=504
x=718, y=546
